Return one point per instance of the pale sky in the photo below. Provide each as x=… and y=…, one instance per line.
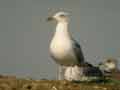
x=25, y=35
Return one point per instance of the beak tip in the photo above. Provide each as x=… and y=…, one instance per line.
x=49, y=18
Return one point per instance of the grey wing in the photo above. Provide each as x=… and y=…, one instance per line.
x=90, y=70
x=78, y=51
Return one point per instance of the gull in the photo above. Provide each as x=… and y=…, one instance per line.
x=110, y=68
x=64, y=49
x=108, y=65
x=84, y=72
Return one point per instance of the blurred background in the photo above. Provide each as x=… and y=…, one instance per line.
x=25, y=35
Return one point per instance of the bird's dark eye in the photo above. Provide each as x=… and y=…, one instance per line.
x=62, y=15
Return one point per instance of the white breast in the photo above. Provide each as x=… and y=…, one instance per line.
x=61, y=49
x=61, y=46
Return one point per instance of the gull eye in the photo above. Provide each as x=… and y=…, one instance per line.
x=62, y=15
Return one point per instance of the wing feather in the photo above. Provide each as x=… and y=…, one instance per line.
x=78, y=51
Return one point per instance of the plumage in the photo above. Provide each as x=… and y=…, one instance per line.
x=90, y=70
x=63, y=48
x=78, y=51
x=83, y=72
x=66, y=51
x=110, y=69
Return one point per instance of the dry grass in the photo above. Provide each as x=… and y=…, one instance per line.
x=12, y=83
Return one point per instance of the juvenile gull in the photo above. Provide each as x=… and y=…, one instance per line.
x=110, y=68
x=108, y=65
x=63, y=48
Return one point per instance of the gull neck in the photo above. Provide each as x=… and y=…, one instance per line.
x=62, y=28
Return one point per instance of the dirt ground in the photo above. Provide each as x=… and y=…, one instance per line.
x=13, y=83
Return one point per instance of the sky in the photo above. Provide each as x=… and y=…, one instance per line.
x=25, y=35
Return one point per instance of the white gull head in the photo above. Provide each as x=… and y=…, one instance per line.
x=59, y=17
x=108, y=65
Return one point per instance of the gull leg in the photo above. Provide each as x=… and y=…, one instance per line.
x=60, y=72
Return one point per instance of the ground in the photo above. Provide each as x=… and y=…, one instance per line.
x=13, y=83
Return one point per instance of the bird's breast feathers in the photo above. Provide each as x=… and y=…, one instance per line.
x=60, y=48
x=62, y=51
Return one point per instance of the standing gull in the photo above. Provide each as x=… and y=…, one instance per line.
x=63, y=48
